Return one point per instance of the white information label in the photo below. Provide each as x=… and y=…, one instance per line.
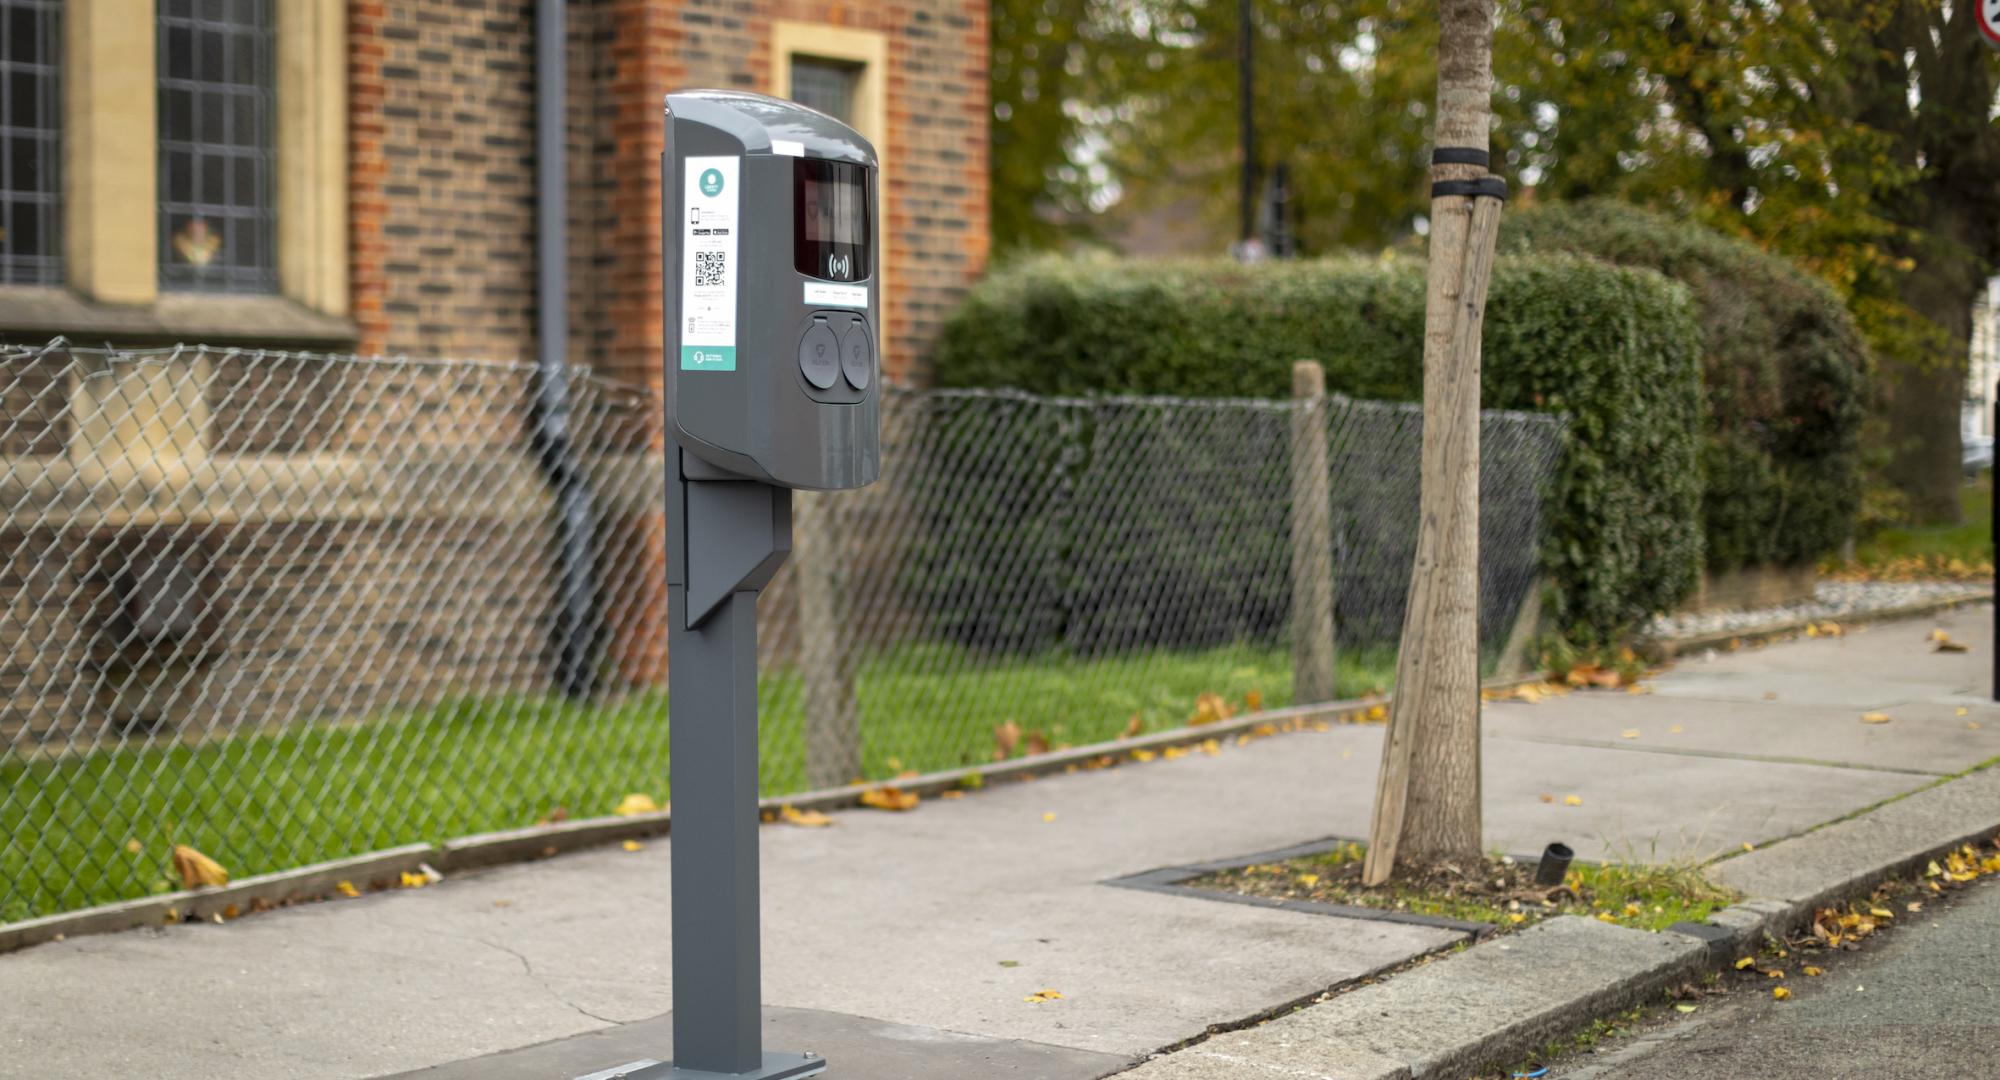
x=709, y=224
x=822, y=294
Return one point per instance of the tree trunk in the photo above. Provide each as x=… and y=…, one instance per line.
x=1924, y=398
x=1427, y=802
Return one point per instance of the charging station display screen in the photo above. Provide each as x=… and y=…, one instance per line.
x=830, y=209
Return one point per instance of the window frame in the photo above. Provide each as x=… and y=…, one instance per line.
x=111, y=190
x=237, y=158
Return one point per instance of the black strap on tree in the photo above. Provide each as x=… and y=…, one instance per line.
x=1461, y=155
x=1485, y=187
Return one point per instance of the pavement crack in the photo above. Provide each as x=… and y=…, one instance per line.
x=528, y=969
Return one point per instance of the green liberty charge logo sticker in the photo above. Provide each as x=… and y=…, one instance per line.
x=708, y=358
x=711, y=183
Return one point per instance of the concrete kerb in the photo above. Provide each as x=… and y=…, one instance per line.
x=1488, y=1005
x=1660, y=650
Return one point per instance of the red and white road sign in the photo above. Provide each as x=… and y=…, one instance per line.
x=1987, y=12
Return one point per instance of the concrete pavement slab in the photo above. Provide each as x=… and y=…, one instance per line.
x=1900, y=651
x=1660, y=807
x=856, y=1048
x=1923, y=737
x=1849, y=856
x=1821, y=689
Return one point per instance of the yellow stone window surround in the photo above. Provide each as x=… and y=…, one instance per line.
x=111, y=191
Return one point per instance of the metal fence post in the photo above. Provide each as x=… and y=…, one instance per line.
x=833, y=723
x=1312, y=539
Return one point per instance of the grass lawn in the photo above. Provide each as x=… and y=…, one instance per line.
x=1964, y=550
x=94, y=828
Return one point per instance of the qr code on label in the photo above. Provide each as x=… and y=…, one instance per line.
x=708, y=267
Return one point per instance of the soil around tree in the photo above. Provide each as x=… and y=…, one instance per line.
x=1496, y=889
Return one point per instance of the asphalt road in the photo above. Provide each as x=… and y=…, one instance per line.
x=1923, y=1003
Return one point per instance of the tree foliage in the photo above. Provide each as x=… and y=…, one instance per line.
x=1859, y=137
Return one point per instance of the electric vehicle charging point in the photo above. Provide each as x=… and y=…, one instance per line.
x=772, y=299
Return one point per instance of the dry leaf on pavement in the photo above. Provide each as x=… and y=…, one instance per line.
x=890, y=798
x=811, y=819
x=1875, y=718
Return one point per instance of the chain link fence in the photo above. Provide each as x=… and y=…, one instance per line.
x=287, y=607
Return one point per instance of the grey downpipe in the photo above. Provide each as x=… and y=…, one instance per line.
x=575, y=633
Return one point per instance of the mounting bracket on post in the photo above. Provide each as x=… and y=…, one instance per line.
x=769, y=209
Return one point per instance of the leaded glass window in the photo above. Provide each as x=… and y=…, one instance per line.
x=218, y=207
x=31, y=142
x=826, y=85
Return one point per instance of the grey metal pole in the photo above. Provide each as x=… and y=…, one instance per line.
x=1993, y=526
x=717, y=962
x=726, y=537
x=574, y=633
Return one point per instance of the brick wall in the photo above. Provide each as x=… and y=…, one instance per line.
x=442, y=104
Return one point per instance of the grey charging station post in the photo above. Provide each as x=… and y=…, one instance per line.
x=771, y=279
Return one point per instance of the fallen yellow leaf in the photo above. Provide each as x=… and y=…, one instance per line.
x=1812, y=972
x=197, y=869
x=809, y=819
x=1309, y=880
x=347, y=889
x=1048, y=817
x=1041, y=996
x=954, y=793
x=1745, y=963
x=1675, y=730
x=635, y=804
x=632, y=845
x=1143, y=756
x=890, y=798
x=1517, y=917
x=1962, y=710
x=1781, y=993
x=1629, y=733
x=1572, y=800
x=1875, y=718
x=1881, y=913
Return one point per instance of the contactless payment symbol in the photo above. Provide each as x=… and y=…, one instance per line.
x=711, y=183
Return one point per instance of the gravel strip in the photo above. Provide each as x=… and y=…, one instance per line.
x=1832, y=600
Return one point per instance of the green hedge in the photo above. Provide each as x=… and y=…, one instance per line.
x=1783, y=371
x=1617, y=349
